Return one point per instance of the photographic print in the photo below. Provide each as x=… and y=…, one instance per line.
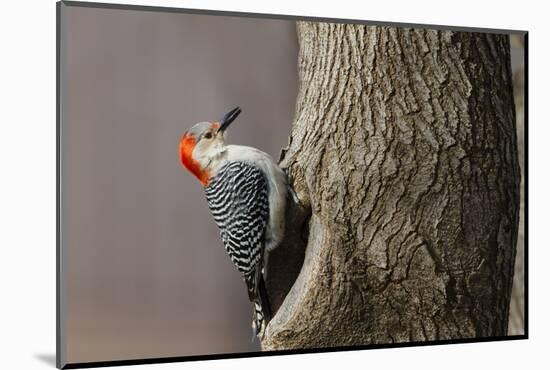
x=238, y=185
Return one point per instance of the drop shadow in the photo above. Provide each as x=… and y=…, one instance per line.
x=47, y=358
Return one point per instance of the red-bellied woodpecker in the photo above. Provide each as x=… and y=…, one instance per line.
x=246, y=192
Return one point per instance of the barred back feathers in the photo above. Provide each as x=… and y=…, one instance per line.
x=238, y=199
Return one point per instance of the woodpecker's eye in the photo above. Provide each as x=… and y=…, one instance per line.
x=208, y=135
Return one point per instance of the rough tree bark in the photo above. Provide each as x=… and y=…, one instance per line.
x=403, y=155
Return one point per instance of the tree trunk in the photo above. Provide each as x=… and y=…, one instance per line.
x=403, y=155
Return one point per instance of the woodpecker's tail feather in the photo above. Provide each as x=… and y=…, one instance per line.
x=257, y=293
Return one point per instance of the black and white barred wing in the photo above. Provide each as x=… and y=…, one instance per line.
x=238, y=199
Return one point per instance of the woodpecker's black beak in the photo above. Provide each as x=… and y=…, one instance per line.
x=228, y=118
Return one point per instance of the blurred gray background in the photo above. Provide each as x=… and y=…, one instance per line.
x=144, y=271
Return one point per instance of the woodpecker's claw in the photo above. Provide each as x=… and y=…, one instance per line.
x=289, y=182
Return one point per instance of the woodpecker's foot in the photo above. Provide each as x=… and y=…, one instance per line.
x=289, y=182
